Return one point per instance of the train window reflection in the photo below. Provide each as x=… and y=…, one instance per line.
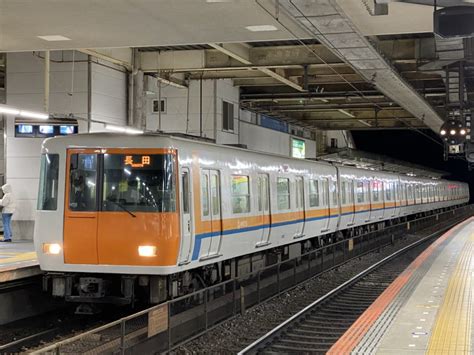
x=283, y=192
x=82, y=182
x=313, y=193
x=48, y=188
x=136, y=183
x=240, y=194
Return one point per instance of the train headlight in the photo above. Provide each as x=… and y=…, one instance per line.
x=53, y=249
x=462, y=132
x=443, y=132
x=147, y=250
x=452, y=132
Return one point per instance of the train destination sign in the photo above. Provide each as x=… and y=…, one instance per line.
x=137, y=161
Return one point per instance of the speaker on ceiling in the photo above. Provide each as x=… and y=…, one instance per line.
x=456, y=21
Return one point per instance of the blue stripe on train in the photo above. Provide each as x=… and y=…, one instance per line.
x=200, y=237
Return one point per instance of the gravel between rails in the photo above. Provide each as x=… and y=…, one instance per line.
x=233, y=335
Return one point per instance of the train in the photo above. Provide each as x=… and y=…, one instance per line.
x=153, y=216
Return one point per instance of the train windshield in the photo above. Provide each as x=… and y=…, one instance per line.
x=139, y=183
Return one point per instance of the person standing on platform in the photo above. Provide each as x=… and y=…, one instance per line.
x=8, y=204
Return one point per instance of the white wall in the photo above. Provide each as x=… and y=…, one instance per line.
x=108, y=95
x=185, y=118
x=267, y=140
x=178, y=117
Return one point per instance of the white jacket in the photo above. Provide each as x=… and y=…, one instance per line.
x=8, y=200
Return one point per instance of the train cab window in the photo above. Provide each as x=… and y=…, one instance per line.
x=240, y=194
x=82, y=182
x=139, y=183
x=313, y=193
x=283, y=192
x=360, y=192
x=48, y=187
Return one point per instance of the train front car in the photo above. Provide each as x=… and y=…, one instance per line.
x=106, y=215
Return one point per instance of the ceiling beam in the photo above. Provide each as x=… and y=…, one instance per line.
x=235, y=52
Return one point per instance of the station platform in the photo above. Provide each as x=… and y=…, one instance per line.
x=17, y=261
x=428, y=309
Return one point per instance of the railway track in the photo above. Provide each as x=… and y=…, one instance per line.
x=318, y=326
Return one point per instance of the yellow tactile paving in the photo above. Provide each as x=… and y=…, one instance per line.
x=452, y=329
x=19, y=257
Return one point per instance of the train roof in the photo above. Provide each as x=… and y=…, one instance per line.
x=97, y=139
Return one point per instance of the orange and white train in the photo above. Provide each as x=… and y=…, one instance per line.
x=156, y=215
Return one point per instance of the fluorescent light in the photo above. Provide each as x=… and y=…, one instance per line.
x=54, y=38
x=347, y=113
x=261, y=28
x=121, y=129
x=9, y=110
x=31, y=114
x=17, y=112
x=365, y=122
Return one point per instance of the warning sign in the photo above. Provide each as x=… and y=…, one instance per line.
x=158, y=320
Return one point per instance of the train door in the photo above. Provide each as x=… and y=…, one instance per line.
x=351, y=198
x=216, y=211
x=263, y=202
x=326, y=202
x=300, y=207
x=80, y=210
x=186, y=217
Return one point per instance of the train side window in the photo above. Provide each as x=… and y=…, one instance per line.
x=360, y=192
x=283, y=192
x=205, y=195
x=388, y=191
x=343, y=192
x=375, y=191
x=351, y=192
x=82, y=182
x=335, y=201
x=313, y=193
x=325, y=192
x=48, y=187
x=215, y=195
x=240, y=194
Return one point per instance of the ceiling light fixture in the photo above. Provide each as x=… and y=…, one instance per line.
x=23, y=113
x=261, y=28
x=347, y=113
x=121, y=129
x=53, y=38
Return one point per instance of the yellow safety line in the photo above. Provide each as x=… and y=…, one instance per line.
x=20, y=257
x=452, y=329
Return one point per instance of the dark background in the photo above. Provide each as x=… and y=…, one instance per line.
x=414, y=147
